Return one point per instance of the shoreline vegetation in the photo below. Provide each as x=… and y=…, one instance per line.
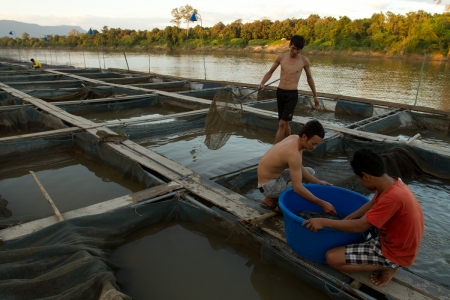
x=384, y=35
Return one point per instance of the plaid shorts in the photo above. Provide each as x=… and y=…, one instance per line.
x=368, y=253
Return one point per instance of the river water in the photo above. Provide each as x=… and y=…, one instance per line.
x=366, y=77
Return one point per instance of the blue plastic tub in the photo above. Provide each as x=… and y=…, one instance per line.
x=314, y=245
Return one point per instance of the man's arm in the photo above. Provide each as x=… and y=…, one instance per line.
x=311, y=82
x=296, y=170
x=360, y=211
x=307, y=177
x=357, y=225
x=270, y=72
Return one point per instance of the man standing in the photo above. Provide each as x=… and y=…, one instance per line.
x=292, y=64
x=394, y=210
x=36, y=64
x=281, y=167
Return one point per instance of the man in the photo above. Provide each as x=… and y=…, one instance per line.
x=394, y=210
x=281, y=167
x=292, y=64
x=36, y=64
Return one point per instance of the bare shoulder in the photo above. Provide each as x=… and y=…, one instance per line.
x=305, y=60
x=281, y=56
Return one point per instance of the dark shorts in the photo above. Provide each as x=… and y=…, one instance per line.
x=368, y=253
x=286, y=101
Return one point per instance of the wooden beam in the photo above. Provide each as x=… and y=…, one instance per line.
x=47, y=197
x=110, y=205
x=40, y=134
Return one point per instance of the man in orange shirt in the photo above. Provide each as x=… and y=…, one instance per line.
x=394, y=210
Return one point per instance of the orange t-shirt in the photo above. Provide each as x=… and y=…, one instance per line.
x=398, y=213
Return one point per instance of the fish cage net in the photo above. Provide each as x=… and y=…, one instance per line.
x=223, y=115
x=22, y=120
x=70, y=259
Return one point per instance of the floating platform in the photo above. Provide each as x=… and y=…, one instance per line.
x=148, y=129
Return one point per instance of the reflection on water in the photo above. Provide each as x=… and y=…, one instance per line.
x=172, y=261
x=71, y=181
x=374, y=78
x=189, y=150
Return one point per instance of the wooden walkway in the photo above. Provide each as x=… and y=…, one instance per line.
x=404, y=286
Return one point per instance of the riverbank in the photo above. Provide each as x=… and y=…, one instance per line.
x=280, y=48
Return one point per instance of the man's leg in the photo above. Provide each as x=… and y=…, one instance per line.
x=287, y=131
x=336, y=259
x=271, y=202
x=282, y=127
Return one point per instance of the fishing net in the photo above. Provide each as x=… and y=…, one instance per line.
x=223, y=115
x=82, y=94
x=27, y=120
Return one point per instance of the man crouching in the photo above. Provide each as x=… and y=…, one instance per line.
x=394, y=210
x=281, y=167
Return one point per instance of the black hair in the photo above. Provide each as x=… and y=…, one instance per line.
x=368, y=161
x=311, y=129
x=32, y=59
x=298, y=41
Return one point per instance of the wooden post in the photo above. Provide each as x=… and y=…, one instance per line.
x=126, y=60
x=44, y=192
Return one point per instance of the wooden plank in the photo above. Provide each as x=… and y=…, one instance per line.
x=13, y=107
x=418, y=283
x=309, y=93
x=394, y=289
x=110, y=205
x=40, y=134
x=51, y=109
x=154, y=118
x=110, y=99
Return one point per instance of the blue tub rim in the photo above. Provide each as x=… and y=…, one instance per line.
x=298, y=219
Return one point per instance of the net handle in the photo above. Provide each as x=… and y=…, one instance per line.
x=258, y=89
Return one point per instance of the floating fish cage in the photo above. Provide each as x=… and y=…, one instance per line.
x=116, y=156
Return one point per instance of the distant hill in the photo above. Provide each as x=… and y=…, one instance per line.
x=34, y=30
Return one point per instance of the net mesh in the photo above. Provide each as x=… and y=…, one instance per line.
x=82, y=94
x=223, y=115
x=27, y=120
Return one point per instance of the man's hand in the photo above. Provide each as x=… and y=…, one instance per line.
x=261, y=86
x=328, y=208
x=323, y=182
x=314, y=224
x=316, y=102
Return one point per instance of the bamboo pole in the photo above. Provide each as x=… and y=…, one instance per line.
x=44, y=192
x=413, y=138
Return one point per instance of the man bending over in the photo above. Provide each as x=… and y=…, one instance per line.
x=281, y=167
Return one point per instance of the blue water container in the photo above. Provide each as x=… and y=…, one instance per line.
x=314, y=245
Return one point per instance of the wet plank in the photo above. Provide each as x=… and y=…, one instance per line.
x=30, y=227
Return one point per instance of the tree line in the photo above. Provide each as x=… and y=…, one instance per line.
x=414, y=32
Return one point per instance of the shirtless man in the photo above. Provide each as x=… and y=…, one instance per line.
x=292, y=64
x=394, y=210
x=281, y=167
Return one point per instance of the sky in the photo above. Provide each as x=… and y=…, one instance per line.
x=149, y=14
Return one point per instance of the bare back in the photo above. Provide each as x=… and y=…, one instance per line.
x=277, y=159
x=291, y=69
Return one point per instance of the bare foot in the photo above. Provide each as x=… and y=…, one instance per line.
x=382, y=277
